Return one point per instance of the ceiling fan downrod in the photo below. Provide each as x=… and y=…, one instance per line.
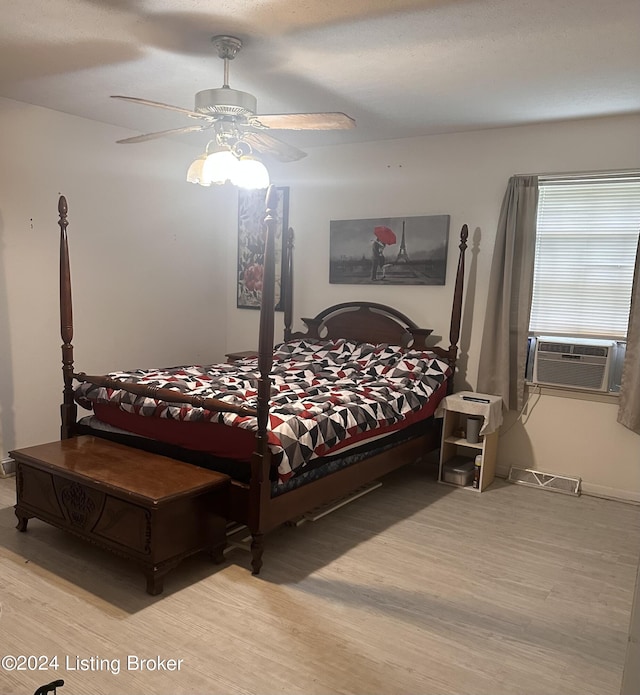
x=225, y=101
x=227, y=47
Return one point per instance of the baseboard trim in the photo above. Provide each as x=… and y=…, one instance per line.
x=610, y=493
x=607, y=493
x=7, y=468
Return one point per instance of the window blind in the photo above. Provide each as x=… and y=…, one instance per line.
x=587, y=236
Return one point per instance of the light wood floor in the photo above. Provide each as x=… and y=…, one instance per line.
x=416, y=588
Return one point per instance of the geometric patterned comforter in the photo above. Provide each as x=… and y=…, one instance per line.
x=323, y=393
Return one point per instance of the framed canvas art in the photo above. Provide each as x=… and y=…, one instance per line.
x=389, y=251
x=251, y=239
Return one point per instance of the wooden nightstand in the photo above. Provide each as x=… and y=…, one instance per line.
x=455, y=448
x=242, y=355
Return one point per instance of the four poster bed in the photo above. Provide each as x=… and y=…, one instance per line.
x=306, y=422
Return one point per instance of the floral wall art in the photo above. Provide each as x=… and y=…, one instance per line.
x=251, y=238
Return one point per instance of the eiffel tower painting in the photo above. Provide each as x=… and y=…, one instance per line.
x=403, y=256
x=389, y=250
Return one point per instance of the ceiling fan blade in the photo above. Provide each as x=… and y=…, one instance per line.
x=276, y=148
x=159, y=104
x=307, y=121
x=162, y=133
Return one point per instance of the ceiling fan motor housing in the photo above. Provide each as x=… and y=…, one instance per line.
x=226, y=101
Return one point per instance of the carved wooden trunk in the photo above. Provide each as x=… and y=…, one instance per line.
x=147, y=508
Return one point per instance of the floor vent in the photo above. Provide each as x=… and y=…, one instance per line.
x=7, y=468
x=545, y=481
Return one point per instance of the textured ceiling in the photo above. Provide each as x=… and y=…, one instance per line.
x=401, y=68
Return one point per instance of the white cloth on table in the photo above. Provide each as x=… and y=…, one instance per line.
x=491, y=411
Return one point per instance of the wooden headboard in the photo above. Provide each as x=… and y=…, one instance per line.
x=365, y=322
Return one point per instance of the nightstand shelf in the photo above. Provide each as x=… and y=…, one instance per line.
x=461, y=441
x=456, y=449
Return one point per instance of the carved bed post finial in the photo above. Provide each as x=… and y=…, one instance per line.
x=68, y=409
x=287, y=285
x=456, y=310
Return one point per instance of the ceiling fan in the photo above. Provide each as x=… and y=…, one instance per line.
x=232, y=115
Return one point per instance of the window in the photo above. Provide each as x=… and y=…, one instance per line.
x=586, y=242
x=587, y=236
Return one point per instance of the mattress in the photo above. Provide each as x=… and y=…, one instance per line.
x=326, y=397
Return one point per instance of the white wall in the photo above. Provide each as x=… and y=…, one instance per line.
x=147, y=272
x=465, y=176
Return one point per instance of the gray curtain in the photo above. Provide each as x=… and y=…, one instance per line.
x=503, y=354
x=629, y=411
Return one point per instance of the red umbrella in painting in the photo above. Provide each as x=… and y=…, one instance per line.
x=385, y=235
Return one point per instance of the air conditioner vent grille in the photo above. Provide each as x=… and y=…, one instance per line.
x=567, y=348
x=583, y=364
x=580, y=374
x=555, y=347
x=593, y=350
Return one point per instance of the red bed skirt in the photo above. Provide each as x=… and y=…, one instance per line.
x=234, y=442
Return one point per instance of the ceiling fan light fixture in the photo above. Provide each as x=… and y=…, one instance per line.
x=219, y=168
x=195, y=173
x=250, y=173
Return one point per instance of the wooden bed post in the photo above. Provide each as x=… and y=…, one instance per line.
x=260, y=489
x=287, y=285
x=456, y=309
x=68, y=409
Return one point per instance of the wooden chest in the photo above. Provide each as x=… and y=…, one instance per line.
x=150, y=509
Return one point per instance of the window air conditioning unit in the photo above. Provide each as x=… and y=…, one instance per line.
x=573, y=362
